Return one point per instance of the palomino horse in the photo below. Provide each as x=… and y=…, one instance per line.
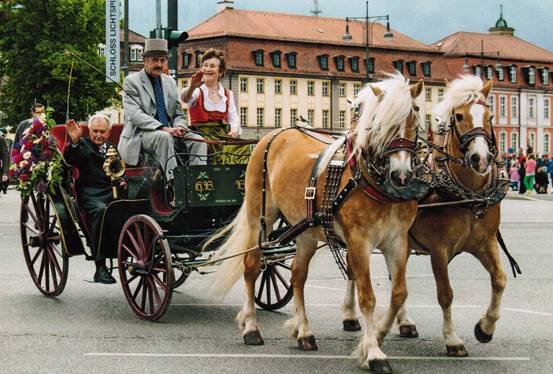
x=388, y=113
x=463, y=128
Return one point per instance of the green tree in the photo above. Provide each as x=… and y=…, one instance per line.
x=34, y=35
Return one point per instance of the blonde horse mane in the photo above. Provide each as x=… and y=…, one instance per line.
x=459, y=92
x=382, y=118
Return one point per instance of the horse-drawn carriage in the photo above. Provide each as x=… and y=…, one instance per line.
x=157, y=244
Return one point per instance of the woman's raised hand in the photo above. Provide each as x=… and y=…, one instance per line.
x=197, y=79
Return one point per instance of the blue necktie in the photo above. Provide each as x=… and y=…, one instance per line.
x=161, y=113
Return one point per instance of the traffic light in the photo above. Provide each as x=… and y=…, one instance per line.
x=174, y=37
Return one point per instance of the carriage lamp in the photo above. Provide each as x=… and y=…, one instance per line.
x=114, y=167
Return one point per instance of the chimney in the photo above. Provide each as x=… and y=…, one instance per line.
x=224, y=4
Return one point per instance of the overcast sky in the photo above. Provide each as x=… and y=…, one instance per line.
x=424, y=20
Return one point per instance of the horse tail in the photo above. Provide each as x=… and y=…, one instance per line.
x=239, y=240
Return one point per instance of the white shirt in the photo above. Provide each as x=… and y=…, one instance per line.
x=221, y=106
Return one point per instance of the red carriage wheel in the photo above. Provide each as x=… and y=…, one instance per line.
x=145, y=267
x=273, y=288
x=41, y=238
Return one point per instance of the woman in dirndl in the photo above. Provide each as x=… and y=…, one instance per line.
x=212, y=110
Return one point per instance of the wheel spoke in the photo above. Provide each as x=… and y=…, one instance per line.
x=36, y=256
x=282, y=264
x=139, y=238
x=261, y=286
x=46, y=216
x=31, y=229
x=56, y=249
x=268, y=287
x=38, y=211
x=159, y=270
x=159, y=281
x=47, y=271
x=135, y=244
x=31, y=213
x=41, y=271
x=52, y=225
x=155, y=291
x=275, y=285
x=137, y=289
x=53, y=269
x=55, y=262
x=150, y=295
x=144, y=294
x=130, y=251
x=284, y=281
x=131, y=279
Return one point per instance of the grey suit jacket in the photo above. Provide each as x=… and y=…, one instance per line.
x=140, y=118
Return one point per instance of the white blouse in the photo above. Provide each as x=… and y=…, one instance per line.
x=221, y=106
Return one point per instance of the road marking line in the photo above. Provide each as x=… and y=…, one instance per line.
x=529, y=312
x=326, y=357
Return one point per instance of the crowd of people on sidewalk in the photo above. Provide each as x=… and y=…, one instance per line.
x=529, y=173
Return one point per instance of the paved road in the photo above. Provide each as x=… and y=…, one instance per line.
x=90, y=328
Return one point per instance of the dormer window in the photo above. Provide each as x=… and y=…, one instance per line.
x=291, y=59
x=513, y=74
x=426, y=68
x=500, y=73
x=544, y=76
x=489, y=72
x=398, y=65
x=370, y=65
x=186, y=60
x=323, y=62
x=258, y=57
x=412, y=67
x=198, y=54
x=275, y=58
x=340, y=63
x=354, y=64
x=477, y=70
x=531, y=75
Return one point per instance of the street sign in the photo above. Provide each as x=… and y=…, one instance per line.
x=112, y=41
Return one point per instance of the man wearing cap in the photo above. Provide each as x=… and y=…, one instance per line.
x=154, y=120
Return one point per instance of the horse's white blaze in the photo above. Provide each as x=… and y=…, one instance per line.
x=479, y=145
x=477, y=112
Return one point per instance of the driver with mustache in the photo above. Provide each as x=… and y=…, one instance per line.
x=154, y=119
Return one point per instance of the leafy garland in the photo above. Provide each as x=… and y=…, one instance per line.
x=36, y=162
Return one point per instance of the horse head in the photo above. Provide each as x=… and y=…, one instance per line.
x=470, y=122
x=386, y=130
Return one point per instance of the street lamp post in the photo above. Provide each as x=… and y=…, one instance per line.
x=348, y=37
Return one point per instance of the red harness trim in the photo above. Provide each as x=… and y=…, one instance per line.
x=367, y=188
x=198, y=113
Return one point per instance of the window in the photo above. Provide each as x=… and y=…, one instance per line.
x=258, y=57
x=243, y=116
x=198, y=54
x=428, y=120
x=428, y=94
x=356, y=88
x=477, y=70
x=326, y=88
x=503, y=142
x=186, y=60
x=500, y=74
x=133, y=54
x=398, y=65
x=531, y=139
x=440, y=94
x=489, y=72
x=531, y=107
x=310, y=88
x=278, y=117
x=491, y=103
x=513, y=74
x=426, y=68
x=342, y=89
x=531, y=76
x=342, y=119
x=546, y=108
x=546, y=143
x=369, y=65
x=354, y=64
x=339, y=61
x=293, y=87
x=291, y=58
x=412, y=67
x=514, y=140
x=502, y=106
x=275, y=58
x=545, y=76
x=514, y=107
x=325, y=118
x=260, y=115
x=260, y=84
x=311, y=117
x=293, y=117
x=323, y=62
x=278, y=86
x=243, y=84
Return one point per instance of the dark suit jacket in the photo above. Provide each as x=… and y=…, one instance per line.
x=4, y=157
x=23, y=125
x=92, y=181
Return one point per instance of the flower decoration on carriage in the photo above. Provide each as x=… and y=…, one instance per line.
x=36, y=162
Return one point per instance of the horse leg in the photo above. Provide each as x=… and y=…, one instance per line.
x=455, y=345
x=407, y=327
x=368, y=351
x=298, y=326
x=396, y=262
x=349, y=319
x=246, y=318
x=489, y=257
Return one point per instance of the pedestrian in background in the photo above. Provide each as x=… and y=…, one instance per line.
x=550, y=170
x=530, y=173
x=37, y=110
x=522, y=174
x=4, y=163
x=514, y=176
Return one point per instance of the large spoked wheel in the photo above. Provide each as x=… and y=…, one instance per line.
x=42, y=244
x=273, y=288
x=145, y=267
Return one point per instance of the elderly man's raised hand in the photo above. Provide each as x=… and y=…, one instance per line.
x=74, y=131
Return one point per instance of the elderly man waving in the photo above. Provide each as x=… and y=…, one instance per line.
x=154, y=120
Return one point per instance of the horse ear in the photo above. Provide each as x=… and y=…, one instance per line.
x=416, y=89
x=377, y=92
x=487, y=88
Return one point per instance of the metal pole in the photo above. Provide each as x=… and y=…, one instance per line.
x=482, y=58
x=126, y=44
x=367, y=41
x=158, y=19
x=173, y=24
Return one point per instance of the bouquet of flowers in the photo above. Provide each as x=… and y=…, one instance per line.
x=36, y=162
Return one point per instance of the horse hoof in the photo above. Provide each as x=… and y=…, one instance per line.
x=380, y=367
x=408, y=331
x=456, y=351
x=351, y=325
x=307, y=343
x=480, y=335
x=253, y=338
